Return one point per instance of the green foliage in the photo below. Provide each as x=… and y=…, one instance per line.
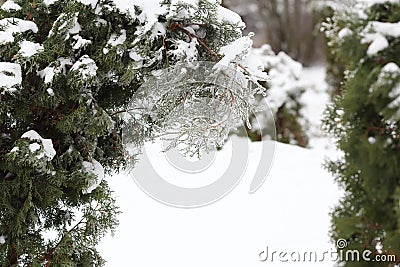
x=365, y=120
x=59, y=124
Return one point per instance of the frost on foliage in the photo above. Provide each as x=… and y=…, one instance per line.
x=29, y=48
x=97, y=171
x=343, y=33
x=49, y=2
x=194, y=106
x=11, y=26
x=10, y=76
x=86, y=67
x=50, y=91
x=47, y=74
x=227, y=15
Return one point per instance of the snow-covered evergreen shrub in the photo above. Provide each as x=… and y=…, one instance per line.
x=68, y=70
x=365, y=119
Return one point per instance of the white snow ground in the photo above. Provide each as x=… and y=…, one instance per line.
x=289, y=213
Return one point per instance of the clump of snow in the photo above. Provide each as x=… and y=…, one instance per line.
x=283, y=71
x=2, y=239
x=376, y=32
x=135, y=56
x=10, y=5
x=80, y=42
x=10, y=75
x=115, y=40
x=86, y=67
x=50, y=92
x=97, y=170
x=227, y=15
x=344, y=33
x=14, y=149
x=378, y=44
x=47, y=74
x=49, y=2
x=391, y=68
x=29, y=48
x=46, y=145
x=159, y=29
x=11, y=26
x=34, y=147
x=385, y=28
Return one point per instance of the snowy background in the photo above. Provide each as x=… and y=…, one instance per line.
x=290, y=212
